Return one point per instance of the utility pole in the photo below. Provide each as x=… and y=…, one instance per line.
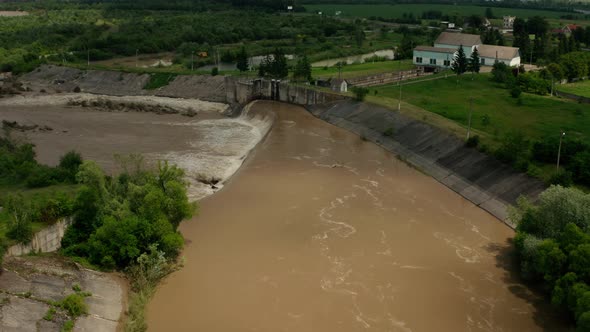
x=469, y=118
x=88, y=57
x=136, y=57
x=399, y=105
x=559, y=150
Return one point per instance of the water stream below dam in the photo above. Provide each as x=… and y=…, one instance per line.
x=322, y=231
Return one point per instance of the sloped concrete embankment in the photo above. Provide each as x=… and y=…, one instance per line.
x=28, y=286
x=476, y=176
x=64, y=79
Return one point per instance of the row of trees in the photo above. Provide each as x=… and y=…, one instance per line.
x=70, y=34
x=461, y=64
x=553, y=246
x=546, y=46
x=275, y=66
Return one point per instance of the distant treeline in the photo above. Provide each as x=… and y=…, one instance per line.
x=543, y=4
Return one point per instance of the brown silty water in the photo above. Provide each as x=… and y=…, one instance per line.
x=321, y=231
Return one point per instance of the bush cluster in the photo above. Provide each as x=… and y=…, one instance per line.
x=116, y=219
x=553, y=246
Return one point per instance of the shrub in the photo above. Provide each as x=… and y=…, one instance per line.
x=74, y=305
x=485, y=120
x=472, y=142
x=562, y=178
x=389, y=132
x=70, y=162
x=21, y=215
x=214, y=71
x=360, y=93
x=502, y=73
x=41, y=176
x=515, y=92
x=580, y=167
x=514, y=146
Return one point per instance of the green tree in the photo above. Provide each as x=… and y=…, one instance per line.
x=21, y=216
x=556, y=71
x=302, y=69
x=580, y=166
x=360, y=93
x=574, y=65
x=242, y=60
x=459, y=65
x=70, y=163
x=489, y=13
x=279, y=66
x=474, y=61
x=359, y=36
x=406, y=47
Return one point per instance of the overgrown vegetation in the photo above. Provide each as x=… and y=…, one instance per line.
x=22, y=214
x=127, y=222
x=116, y=219
x=525, y=134
x=158, y=80
x=553, y=246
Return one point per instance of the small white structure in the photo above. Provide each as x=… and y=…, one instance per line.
x=509, y=22
x=339, y=85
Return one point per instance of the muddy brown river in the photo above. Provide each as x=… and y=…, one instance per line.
x=321, y=231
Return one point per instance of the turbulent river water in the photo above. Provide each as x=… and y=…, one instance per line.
x=321, y=231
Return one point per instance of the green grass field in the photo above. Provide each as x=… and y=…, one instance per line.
x=396, y=11
x=364, y=69
x=538, y=116
x=579, y=88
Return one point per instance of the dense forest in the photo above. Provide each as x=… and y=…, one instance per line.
x=553, y=246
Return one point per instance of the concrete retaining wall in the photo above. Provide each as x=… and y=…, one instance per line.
x=386, y=78
x=243, y=91
x=478, y=177
x=46, y=240
x=572, y=96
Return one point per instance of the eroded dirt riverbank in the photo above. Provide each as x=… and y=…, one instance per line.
x=321, y=231
x=208, y=144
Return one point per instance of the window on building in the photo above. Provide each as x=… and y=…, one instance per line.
x=483, y=61
x=447, y=63
x=418, y=59
x=433, y=61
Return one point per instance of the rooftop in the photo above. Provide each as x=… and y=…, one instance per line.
x=453, y=38
x=501, y=52
x=435, y=49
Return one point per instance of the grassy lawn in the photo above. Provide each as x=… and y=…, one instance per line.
x=538, y=116
x=396, y=11
x=363, y=69
x=578, y=88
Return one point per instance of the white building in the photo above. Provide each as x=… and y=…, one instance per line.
x=441, y=55
x=489, y=54
x=454, y=39
x=509, y=22
x=339, y=85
